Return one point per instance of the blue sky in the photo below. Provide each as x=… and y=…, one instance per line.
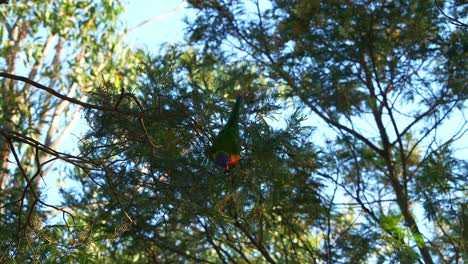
x=168, y=26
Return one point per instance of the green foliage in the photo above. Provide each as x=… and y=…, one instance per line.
x=383, y=75
x=159, y=183
x=342, y=155
x=68, y=46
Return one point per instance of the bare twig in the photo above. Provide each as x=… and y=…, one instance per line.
x=452, y=20
x=158, y=17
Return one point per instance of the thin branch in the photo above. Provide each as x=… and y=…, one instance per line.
x=158, y=17
x=218, y=248
x=84, y=104
x=254, y=242
x=29, y=184
x=451, y=19
x=231, y=243
x=75, y=160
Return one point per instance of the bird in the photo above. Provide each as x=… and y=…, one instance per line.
x=226, y=148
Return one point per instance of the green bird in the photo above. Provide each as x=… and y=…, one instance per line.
x=226, y=148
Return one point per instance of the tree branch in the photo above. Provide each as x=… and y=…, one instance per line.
x=84, y=104
x=158, y=17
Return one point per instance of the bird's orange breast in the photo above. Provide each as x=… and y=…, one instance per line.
x=233, y=160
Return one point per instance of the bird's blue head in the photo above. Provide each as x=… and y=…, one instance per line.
x=222, y=159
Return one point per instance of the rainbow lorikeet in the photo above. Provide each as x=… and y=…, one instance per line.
x=226, y=148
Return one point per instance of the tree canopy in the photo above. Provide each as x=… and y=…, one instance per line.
x=351, y=126
x=52, y=55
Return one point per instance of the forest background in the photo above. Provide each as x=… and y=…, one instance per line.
x=353, y=132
